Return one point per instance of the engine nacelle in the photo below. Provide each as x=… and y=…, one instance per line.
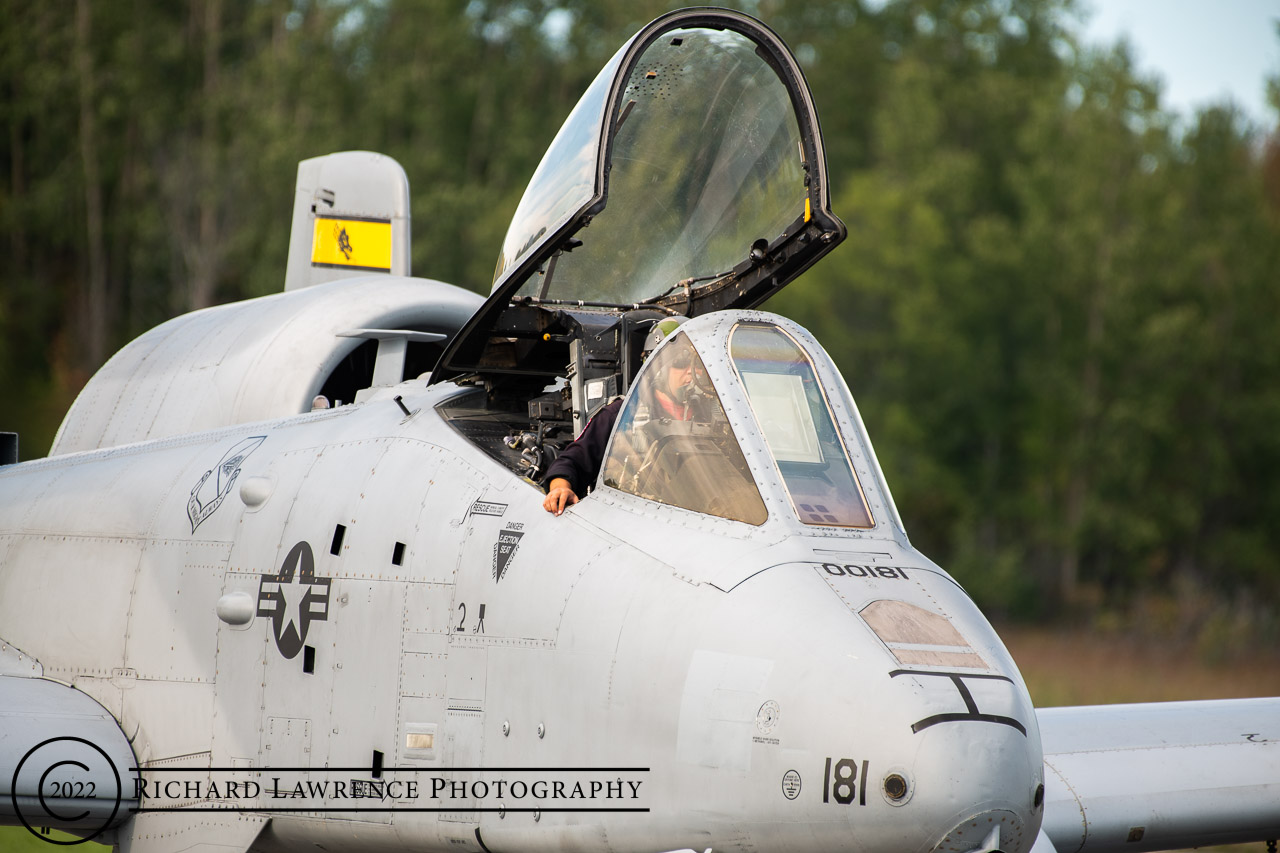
x=265, y=358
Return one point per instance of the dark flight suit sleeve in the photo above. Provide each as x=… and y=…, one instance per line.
x=580, y=461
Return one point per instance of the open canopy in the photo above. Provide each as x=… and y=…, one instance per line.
x=689, y=178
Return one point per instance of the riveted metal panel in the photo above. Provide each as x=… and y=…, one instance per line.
x=80, y=629
x=515, y=553
x=235, y=734
x=159, y=642
x=168, y=719
x=464, y=733
x=165, y=832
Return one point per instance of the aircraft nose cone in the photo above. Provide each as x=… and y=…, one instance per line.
x=975, y=784
x=982, y=833
x=964, y=743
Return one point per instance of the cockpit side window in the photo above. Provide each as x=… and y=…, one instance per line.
x=673, y=443
x=793, y=413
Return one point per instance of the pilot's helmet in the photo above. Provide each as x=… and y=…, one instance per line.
x=659, y=333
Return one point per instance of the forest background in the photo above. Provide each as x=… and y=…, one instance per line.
x=1058, y=306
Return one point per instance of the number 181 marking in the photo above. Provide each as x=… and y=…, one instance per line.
x=844, y=786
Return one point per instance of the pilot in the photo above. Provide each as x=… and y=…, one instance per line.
x=671, y=392
x=578, y=465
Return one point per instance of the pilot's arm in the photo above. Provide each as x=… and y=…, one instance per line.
x=578, y=465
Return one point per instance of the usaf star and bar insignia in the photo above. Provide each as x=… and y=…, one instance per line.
x=294, y=599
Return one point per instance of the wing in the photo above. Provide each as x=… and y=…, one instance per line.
x=64, y=762
x=1161, y=776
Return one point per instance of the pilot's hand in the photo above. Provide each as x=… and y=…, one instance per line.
x=560, y=496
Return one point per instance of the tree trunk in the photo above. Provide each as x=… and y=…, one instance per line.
x=204, y=276
x=93, y=309
x=1090, y=401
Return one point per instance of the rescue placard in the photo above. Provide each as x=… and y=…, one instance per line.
x=363, y=244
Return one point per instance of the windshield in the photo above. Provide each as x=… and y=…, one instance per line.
x=673, y=443
x=706, y=161
x=792, y=411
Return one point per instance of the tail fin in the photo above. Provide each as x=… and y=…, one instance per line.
x=350, y=217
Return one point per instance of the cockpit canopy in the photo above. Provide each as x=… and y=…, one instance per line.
x=690, y=425
x=693, y=181
x=689, y=178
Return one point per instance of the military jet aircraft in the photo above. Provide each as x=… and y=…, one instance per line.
x=285, y=581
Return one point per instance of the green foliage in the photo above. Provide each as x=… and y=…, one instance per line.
x=1055, y=308
x=19, y=839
